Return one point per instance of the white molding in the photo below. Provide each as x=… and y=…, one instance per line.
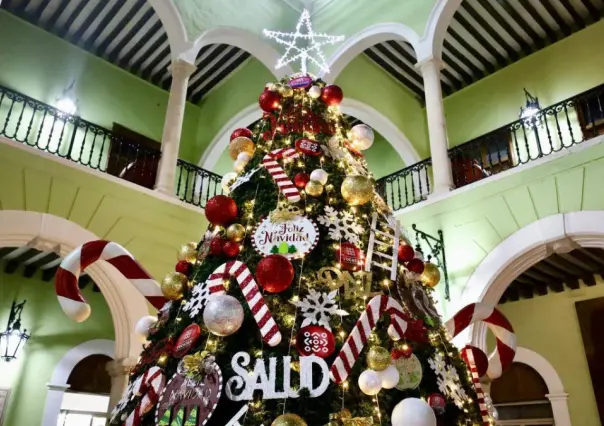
x=358, y=109
x=180, y=46
x=431, y=42
x=364, y=39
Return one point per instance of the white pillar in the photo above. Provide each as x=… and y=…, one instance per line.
x=559, y=403
x=119, y=370
x=181, y=71
x=54, y=399
x=437, y=127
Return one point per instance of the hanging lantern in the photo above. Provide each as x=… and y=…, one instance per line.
x=13, y=339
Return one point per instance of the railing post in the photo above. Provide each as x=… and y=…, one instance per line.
x=437, y=128
x=181, y=71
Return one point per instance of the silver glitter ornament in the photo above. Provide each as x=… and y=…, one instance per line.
x=223, y=315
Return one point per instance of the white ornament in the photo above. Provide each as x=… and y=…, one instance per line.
x=244, y=178
x=389, y=377
x=413, y=412
x=318, y=307
x=227, y=180
x=319, y=175
x=242, y=386
x=143, y=326
x=370, y=382
x=311, y=42
x=244, y=157
x=314, y=92
x=292, y=239
x=334, y=149
x=223, y=315
x=361, y=136
x=342, y=225
x=239, y=165
x=198, y=300
x=448, y=380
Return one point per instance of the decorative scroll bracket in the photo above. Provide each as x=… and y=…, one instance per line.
x=437, y=251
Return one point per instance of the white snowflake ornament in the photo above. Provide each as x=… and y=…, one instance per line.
x=318, y=307
x=199, y=298
x=448, y=380
x=341, y=225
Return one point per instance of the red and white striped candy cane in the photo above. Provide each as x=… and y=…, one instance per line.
x=150, y=386
x=66, y=281
x=360, y=333
x=285, y=184
x=469, y=354
x=505, y=350
x=238, y=270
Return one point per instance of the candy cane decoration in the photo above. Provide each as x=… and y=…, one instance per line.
x=150, y=386
x=285, y=184
x=66, y=282
x=360, y=333
x=238, y=270
x=479, y=392
x=505, y=350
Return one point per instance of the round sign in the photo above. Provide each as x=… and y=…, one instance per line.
x=315, y=340
x=308, y=147
x=186, y=341
x=350, y=257
x=300, y=82
x=291, y=238
x=410, y=372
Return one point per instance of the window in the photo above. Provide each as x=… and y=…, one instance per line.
x=81, y=409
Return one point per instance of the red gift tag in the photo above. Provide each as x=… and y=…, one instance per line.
x=308, y=147
x=350, y=257
x=300, y=82
x=186, y=341
x=315, y=340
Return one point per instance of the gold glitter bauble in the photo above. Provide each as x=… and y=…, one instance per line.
x=236, y=232
x=289, y=419
x=174, y=285
x=286, y=91
x=188, y=252
x=378, y=358
x=239, y=145
x=431, y=275
x=314, y=188
x=357, y=190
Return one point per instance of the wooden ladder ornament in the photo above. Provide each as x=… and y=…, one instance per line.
x=383, y=238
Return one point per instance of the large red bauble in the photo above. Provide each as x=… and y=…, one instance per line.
x=183, y=267
x=269, y=101
x=438, y=403
x=221, y=210
x=350, y=257
x=241, y=132
x=315, y=340
x=301, y=179
x=216, y=246
x=332, y=95
x=275, y=273
x=231, y=249
x=415, y=265
x=405, y=253
x=186, y=341
x=480, y=359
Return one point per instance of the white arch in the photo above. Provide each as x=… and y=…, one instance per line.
x=431, y=43
x=349, y=106
x=58, y=381
x=180, y=46
x=364, y=39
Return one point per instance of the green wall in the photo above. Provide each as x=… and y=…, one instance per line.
x=41, y=66
x=555, y=73
x=52, y=335
x=549, y=326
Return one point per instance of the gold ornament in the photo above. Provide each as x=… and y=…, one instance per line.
x=314, y=188
x=289, y=419
x=356, y=284
x=188, y=252
x=236, y=232
x=356, y=190
x=295, y=365
x=239, y=145
x=285, y=213
x=344, y=418
x=272, y=86
x=174, y=285
x=286, y=91
x=378, y=358
x=277, y=87
x=162, y=360
x=431, y=275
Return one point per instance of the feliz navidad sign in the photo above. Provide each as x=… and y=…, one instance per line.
x=291, y=238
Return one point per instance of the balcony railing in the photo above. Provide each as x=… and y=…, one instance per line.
x=551, y=130
x=41, y=126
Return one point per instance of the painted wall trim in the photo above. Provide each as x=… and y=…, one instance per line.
x=180, y=46
x=431, y=42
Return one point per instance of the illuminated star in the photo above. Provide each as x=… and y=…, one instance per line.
x=314, y=43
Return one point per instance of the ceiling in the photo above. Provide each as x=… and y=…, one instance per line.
x=557, y=273
x=128, y=34
x=487, y=35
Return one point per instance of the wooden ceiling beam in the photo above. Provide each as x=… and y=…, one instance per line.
x=49, y=25
x=563, y=265
x=597, y=255
x=579, y=21
x=130, y=35
x=467, y=46
x=564, y=27
x=524, y=46
x=519, y=19
x=581, y=260
x=98, y=9
x=75, y=13
x=115, y=9
x=501, y=60
x=593, y=11
x=512, y=294
x=101, y=49
x=556, y=286
x=536, y=275
x=551, y=34
x=573, y=283
x=589, y=280
x=525, y=291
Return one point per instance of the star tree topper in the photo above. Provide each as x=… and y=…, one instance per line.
x=295, y=52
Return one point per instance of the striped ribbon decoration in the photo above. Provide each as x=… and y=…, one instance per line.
x=486, y=418
x=149, y=386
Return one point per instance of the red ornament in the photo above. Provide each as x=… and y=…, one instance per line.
x=217, y=245
x=308, y=147
x=241, y=132
x=269, y=101
x=415, y=265
x=183, y=267
x=350, y=257
x=221, y=210
x=332, y=95
x=315, y=340
x=275, y=273
x=301, y=179
x=480, y=359
x=405, y=253
x=401, y=351
x=438, y=403
x=186, y=341
x=231, y=249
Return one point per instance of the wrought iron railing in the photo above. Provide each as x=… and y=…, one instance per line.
x=407, y=186
x=195, y=185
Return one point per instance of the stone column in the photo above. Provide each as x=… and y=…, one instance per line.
x=119, y=371
x=181, y=71
x=559, y=403
x=437, y=128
